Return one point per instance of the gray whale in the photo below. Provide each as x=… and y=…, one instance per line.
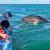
x=32, y=19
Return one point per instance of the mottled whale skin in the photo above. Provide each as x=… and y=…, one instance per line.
x=32, y=19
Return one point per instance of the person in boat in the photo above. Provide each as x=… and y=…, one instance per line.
x=5, y=24
x=34, y=19
x=3, y=35
x=4, y=21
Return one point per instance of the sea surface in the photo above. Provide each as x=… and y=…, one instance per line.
x=28, y=36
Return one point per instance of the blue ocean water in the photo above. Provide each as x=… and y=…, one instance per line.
x=29, y=36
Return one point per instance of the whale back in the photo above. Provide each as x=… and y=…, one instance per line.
x=41, y=19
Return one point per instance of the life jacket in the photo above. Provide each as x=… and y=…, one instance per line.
x=3, y=35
